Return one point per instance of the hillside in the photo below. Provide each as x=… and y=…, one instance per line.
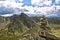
x=21, y=27
x=50, y=20
x=15, y=25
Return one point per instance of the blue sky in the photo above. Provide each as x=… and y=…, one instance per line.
x=46, y=7
x=27, y=2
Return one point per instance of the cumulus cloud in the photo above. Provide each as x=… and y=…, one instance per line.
x=10, y=6
x=58, y=7
x=41, y=2
x=15, y=7
x=12, y=0
x=30, y=9
x=57, y=1
x=6, y=15
x=47, y=11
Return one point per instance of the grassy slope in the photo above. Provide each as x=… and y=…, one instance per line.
x=26, y=21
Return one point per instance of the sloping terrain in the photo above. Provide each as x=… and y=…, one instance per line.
x=20, y=27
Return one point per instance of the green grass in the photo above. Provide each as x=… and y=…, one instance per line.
x=6, y=36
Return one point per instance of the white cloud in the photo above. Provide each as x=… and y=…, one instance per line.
x=45, y=9
x=17, y=7
x=30, y=9
x=21, y=0
x=10, y=4
x=57, y=1
x=6, y=15
x=48, y=3
x=12, y=0
x=58, y=7
x=48, y=11
x=41, y=2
